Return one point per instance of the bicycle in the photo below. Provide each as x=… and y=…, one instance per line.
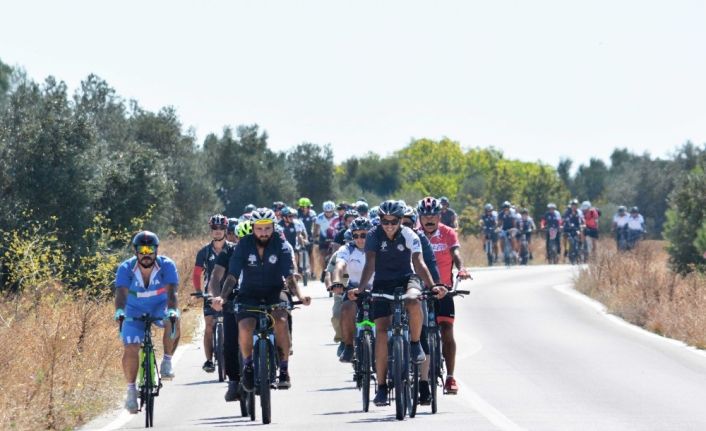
x=436, y=365
x=488, y=245
x=524, y=247
x=402, y=373
x=264, y=360
x=508, y=252
x=149, y=381
x=574, y=251
x=364, y=358
x=217, y=338
x=552, y=249
x=303, y=261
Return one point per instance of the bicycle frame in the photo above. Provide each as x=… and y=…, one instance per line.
x=364, y=358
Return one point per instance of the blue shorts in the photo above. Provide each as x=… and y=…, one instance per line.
x=133, y=331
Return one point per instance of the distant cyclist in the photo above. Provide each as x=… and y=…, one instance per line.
x=323, y=232
x=205, y=261
x=307, y=216
x=145, y=283
x=489, y=224
x=525, y=226
x=552, y=221
x=591, y=216
x=448, y=216
x=232, y=230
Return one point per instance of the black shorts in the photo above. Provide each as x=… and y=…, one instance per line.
x=445, y=310
x=383, y=308
x=207, y=310
x=245, y=303
x=593, y=233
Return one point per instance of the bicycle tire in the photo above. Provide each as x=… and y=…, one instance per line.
x=305, y=269
x=243, y=402
x=433, y=368
x=414, y=388
x=147, y=389
x=263, y=346
x=219, y=352
x=365, y=369
x=489, y=252
x=398, y=371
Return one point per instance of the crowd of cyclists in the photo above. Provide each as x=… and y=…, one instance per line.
x=261, y=256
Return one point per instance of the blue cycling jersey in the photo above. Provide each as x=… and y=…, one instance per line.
x=141, y=298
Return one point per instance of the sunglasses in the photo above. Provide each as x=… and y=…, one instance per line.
x=147, y=249
x=218, y=228
x=358, y=235
x=407, y=223
x=388, y=222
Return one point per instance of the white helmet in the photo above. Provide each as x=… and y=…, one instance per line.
x=328, y=206
x=585, y=205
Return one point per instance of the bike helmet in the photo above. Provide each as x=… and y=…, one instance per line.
x=287, y=211
x=361, y=207
x=232, y=225
x=622, y=209
x=218, y=220
x=428, y=206
x=391, y=208
x=350, y=213
x=263, y=216
x=634, y=210
x=145, y=238
x=410, y=213
x=585, y=205
x=343, y=205
x=506, y=204
x=574, y=202
x=249, y=208
x=444, y=200
x=524, y=211
x=328, y=206
x=278, y=205
x=361, y=223
x=304, y=202
x=551, y=206
x=373, y=213
x=488, y=207
x=244, y=228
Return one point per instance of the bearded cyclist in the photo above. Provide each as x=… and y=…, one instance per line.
x=205, y=261
x=447, y=251
x=145, y=283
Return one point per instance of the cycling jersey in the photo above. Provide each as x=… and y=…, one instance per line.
x=572, y=221
x=620, y=221
x=307, y=220
x=526, y=226
x=506, y=221
x=355, y=261
x=443, y=242
x=290, y=232
x=591, y=218
x=636, y=223
x=393, y=257
x=327, y=226
x=448, y=217
x=206, y=259
x=263, y=277
x=490, y=221
x=552, y=219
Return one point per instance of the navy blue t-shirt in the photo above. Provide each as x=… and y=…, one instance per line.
x=263, y=278
x=393, y=258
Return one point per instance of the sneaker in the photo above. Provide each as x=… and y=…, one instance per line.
x=208, y=367
x=424, y=394
x=341, y=347
x=283, y=381
x=417, y=353
x=347, y=355
x=381, y=396
x=131, y=401
x=248, y=381
x=233, y=392
x=165, y=369
x=450, y=387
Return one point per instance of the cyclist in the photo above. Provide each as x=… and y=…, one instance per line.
x=507, y=223
x=391, y=250
x=552, y=220
x=636, y=226
x=448, y=216
x=350, y=258
x=322, y=234
x=145, y=283
x=307, y=216
x=277, y=208
x=230, y=325
x=249, y=208
x=591, y=216
x=573, y=224
x=347, y=218
x=525, y=226
x=362, y=208
x=341, y=209
x=572, y=209
x=232, y=230
x=620, y=221
x=205, y=260
x=265, y=262
x=447, y=251
x=489, y=223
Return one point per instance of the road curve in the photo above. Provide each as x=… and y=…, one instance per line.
x=530, y=356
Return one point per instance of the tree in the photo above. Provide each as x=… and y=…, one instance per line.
x=589, y=181
x=312, y=168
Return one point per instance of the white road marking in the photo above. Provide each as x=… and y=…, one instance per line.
x=485, y=409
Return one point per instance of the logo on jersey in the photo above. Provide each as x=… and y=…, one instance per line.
x=272, y=259
x=400, y=247
x=383, y=246
x=252, y=259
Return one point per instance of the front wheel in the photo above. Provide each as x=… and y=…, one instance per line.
x=433, y=368
x=398, y=377
x=264, y=379
x=365, y=368
x=219, y=352
x=414, y=387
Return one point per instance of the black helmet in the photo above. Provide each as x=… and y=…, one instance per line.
x=145, y=238
x=350, y=213
x=634, y=210
x=622, y=209
x=506, y=204
x=361, y=223
x=361, y=207
x=277, y=205
x=343, y=205
x=391, y=208
x=574, y=202
x=249, y=208
x=232, y=225
x=443, y=200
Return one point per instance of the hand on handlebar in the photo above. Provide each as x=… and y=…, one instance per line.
x=353, y=294
x=464, y=274
x=306, y=300
x=119, y=314
x=217, y=303
x=440, y=290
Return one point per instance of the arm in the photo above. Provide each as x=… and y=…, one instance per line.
x=121, y=297
x=214, y=286
x=429, y=259
x=296, y=291
x=172, y=296
x=196, y=278
x=368, y=271
x=458, y=261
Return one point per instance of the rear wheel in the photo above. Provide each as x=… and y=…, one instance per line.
x=433, y=368
x=414, y=388
x=398, y=378
x=264, y=379
x=251, y=405
x=219, y=352
x=365, y=368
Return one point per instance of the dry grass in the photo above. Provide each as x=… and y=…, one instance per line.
x=61, y=353
x=639, y=287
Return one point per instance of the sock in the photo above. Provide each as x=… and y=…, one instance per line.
x=283, y=365
x=167, y=358
x=131, y=386
x=247, y=361
x=415, y=342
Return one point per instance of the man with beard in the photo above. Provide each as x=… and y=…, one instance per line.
x=447, y=252
x=265, y=261
x=145, y=283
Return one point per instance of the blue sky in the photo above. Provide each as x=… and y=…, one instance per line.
x=539, y=80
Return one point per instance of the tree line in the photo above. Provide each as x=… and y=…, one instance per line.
x=70, y=157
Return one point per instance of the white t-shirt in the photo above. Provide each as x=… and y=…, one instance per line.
x=636, y=223
x=619, y=220
x=355, y=261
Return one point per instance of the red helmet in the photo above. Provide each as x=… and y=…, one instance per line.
x=428, y=206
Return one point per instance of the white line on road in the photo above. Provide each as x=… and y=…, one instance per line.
x=484, y=408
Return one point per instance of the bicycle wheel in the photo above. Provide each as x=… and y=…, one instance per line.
x=398, y=378
x=147, y=388
x=365, y=368
x=489, y=252
x=263, y=376
x=251, y=405
x=305, y=267
x=414, y=388
x=433, y=367
x=219, y=352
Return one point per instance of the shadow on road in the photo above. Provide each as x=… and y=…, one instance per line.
x=205, y=382
x=344, y=388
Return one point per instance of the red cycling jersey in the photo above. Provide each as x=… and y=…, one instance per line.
x=591, y=218
x=443, y=241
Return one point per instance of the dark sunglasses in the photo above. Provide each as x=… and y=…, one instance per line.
x=358, y=235
x=387, y=222
x=218, y=228
x=407, y=223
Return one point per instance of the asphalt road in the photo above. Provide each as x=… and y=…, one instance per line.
x=532, y=354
